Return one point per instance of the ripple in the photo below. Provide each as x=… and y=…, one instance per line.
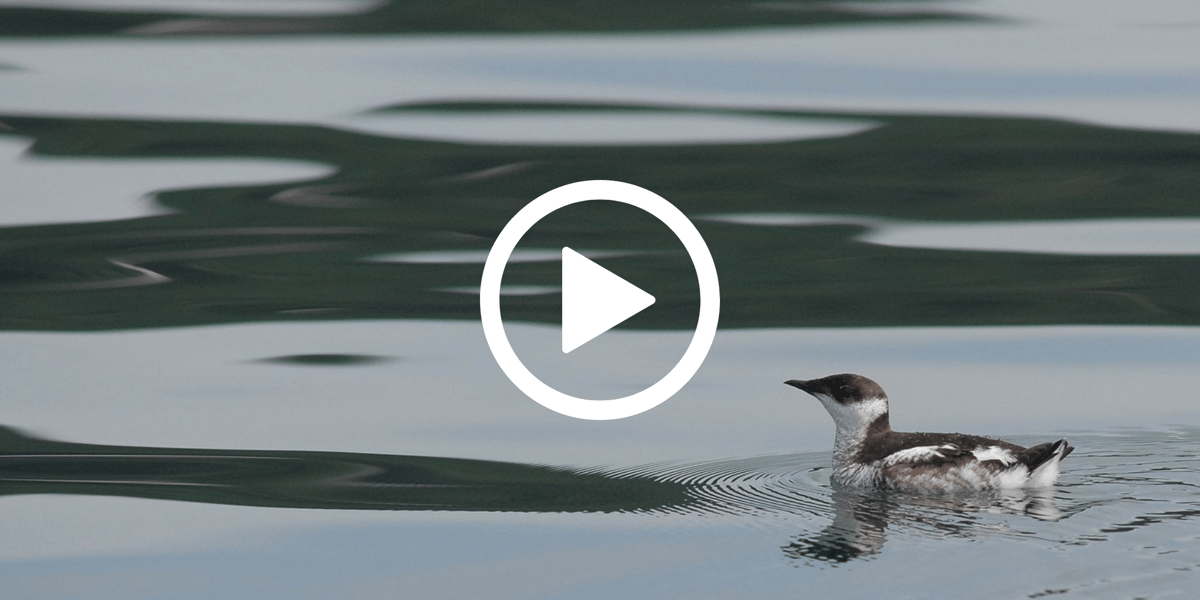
x=219, y=7
x=42, y=189
x=602, y=128
x=335, y=360
x=1126, y=492
x=1096, y=237
x=506, y=290
x=1127, y=489
x=1091, y=237
x=793, y=485
x=442, y=257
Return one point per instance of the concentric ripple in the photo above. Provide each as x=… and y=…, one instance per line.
x=1117, y=488
x=1135, y=492
x=794, y=485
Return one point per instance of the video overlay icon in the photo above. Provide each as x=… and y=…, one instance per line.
x=596, y=300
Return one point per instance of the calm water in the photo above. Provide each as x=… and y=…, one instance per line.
x=242, y=243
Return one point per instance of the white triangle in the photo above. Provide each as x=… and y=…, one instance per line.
x=594, y=300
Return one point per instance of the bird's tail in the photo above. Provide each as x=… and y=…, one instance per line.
x=1042, y=461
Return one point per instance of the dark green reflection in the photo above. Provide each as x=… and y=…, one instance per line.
x=301, y=250
x=337, y=480
x=474, y=16
x=329, y=360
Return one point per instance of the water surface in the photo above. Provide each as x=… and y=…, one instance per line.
x=242, y=242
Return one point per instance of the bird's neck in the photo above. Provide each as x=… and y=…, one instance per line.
x=850, y=438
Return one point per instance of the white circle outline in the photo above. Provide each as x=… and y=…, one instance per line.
x=702, y=262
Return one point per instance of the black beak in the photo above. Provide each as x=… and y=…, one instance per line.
x=798, y=383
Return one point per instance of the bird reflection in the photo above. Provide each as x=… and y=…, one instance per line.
x=1035, y=502
x=859, y=528
x=861, y=518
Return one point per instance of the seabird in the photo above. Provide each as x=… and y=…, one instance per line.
x=866, y=452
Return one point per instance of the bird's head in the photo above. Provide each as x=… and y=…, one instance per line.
x=854, y=402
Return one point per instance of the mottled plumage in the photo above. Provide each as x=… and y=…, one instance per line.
x=866, y=452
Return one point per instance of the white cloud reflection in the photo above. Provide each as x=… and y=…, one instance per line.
x=40, y=189
x=278, y=8
x=1101, y=62
x=1095, y=237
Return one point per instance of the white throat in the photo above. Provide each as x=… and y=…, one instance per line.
x=852, y=422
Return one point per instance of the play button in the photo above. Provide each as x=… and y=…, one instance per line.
x=594, y=300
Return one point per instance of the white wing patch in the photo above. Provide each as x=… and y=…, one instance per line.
x=1006, y=457
x=915, y=454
